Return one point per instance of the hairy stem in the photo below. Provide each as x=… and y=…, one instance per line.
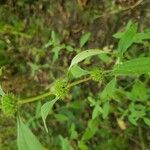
x=36, y=98
x=47, y=94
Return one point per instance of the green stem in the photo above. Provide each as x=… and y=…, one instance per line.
x=33, y=99
x=44, y=95
x=78, y=82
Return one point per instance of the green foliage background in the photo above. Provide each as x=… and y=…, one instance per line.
x=38, y=41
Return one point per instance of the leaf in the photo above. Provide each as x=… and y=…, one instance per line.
x=61, y=117
x=69, y=48
x=82, y=145
x=84, y=39
x=133, y=67
x=78, y=72
x=73, y=132
x=127, y=39
x=139, y=91
x=147, y=121
x=46, y=109
x=90, y=130
x=109, y=89
x=139, y=37
x=25, y=138
x=105, y=110
x=65, y=145
x=56, y=50
x=96, y=112
x=85, y=54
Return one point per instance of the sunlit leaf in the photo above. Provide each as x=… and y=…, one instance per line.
x=147, y=121
x=26, y=139
x=84, y=39
x=46, y=109
x=97, y=111
x=133, y=67
x=106, y=108
x=78, y=71
x=109, y=89
x=85, y=54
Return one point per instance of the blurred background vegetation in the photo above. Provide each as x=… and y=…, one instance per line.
x=38, y=39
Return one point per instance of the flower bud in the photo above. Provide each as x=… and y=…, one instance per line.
x=96, y=74
x=61, y=89
x=9, y=105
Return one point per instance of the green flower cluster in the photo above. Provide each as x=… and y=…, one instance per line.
x=96, y=74
x=9, y=105
x=61, y=89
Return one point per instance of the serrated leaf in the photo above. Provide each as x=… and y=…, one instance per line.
x=85, y=54
x=78, y=71
x=26, y=139
x=46, y=109
x=135, y=66
x=83, y=40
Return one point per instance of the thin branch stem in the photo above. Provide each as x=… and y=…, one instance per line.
x=122, y=9
x=47, y=94
x=36, y=98
x=78, y=82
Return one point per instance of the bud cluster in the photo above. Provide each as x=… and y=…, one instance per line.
x=61, y=89
x=96, y=74
x=9, y=105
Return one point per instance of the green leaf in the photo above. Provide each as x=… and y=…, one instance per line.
x=133, y=67
x=108, y=91
x=90, y=130
x=78, y=72
x=85, y=54
x=147, y=121
x=56, y=50
x=139, y=91
x=105, y=110
x=73, y=132
x=25, y=138
x=97, y=111
x=65, y=144
x=61, y=117
x=127, y=39
x=83, y=40
x=69, y=48
x=46, y=109
x=82, y=145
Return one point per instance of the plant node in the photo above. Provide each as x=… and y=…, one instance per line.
x=96, y=74
x=9, y=105
x=61, y=89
